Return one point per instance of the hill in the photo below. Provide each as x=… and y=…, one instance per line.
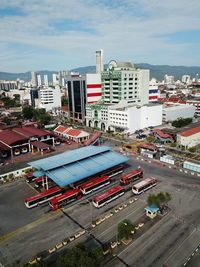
x=25, y=76
x=156, y=71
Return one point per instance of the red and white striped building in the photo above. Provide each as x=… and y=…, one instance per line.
x=93, y=88
x=153, y=91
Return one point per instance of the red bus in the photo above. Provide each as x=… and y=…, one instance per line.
x=110, y=172
x=30, y=177
x=65, y=198
x=131, y=176
x=108, y=196
x=93, y=185
x=38, y=181
x=46, y=195
x=143, y=186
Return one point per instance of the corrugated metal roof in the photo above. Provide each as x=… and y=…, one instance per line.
x=68, y=157
x=78, y=164
x=38, y=173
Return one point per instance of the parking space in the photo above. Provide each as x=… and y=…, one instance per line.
x=13, y=210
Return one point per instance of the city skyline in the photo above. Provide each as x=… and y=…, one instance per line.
x=53, y=35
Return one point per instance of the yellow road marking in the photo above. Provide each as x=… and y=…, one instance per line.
x=29, y=226
x=32, y=188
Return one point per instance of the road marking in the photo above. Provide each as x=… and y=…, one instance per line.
x=180, y=246
x=29, y=226
x=150, y=238
x=180, y=170
x=170, y=167
x=102, y=234
x=185, y=171
x=32, y=187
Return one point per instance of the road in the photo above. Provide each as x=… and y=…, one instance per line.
x=173, y=234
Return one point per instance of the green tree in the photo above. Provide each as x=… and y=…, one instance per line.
x=28, y=112
x=97, y=255
x=153, y=200
x=168, y=196
x=192, y=149
x=150, y=139
x=64, y=102
x=161, y=196
x=124, y=229
x=6, y=120
x=181, y=122
x=173, y=145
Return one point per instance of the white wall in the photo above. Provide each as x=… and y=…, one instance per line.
x=137, y=117
x=182, y=111
x=50, y=98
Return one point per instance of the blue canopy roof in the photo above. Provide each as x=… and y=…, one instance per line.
x=68, y=157
x=81, y=163
x=38, y=173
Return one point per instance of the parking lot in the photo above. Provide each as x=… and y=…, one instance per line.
x=172, y=234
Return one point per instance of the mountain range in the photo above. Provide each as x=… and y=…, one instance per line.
x=156, y=71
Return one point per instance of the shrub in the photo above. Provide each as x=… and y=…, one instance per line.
x=173, y=145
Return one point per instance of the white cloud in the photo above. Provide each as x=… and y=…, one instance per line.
x=129, y=28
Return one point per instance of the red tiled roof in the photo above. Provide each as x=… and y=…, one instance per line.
x=93, y=138
x=4, y=147
x=60, y=129
x=73, y=132
x=65, y=108
x=29, y=123
x=148, y=147
x=23, y=131
x=161, y=134
x=40, y=145
x=9, y=137
x=36, y=131
x=190, y=131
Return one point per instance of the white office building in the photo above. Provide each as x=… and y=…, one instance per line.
x=39, y=80
x=33, y=78
x=55, y=79
x=186, y=79
x=173, y=112
x=49, y=98
x=130, y=119
x=46, y=81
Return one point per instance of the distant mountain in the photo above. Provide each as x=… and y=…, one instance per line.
x=25, y=76
x=156, y=71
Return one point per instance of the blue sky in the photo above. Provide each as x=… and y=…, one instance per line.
x=55, y=35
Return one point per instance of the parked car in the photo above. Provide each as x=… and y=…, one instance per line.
x=143, y=135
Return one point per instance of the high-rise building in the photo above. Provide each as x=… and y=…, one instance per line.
x=153, y=91
x=33, y=78
x=50, y=98
x=123, y=82
x=99, y=61
x=186, y=78
x=76, y=86
x=55, y=79
x=123, y=85
x=63, y=77
x=39, y=80
x=168, y=79
x=46, y=81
